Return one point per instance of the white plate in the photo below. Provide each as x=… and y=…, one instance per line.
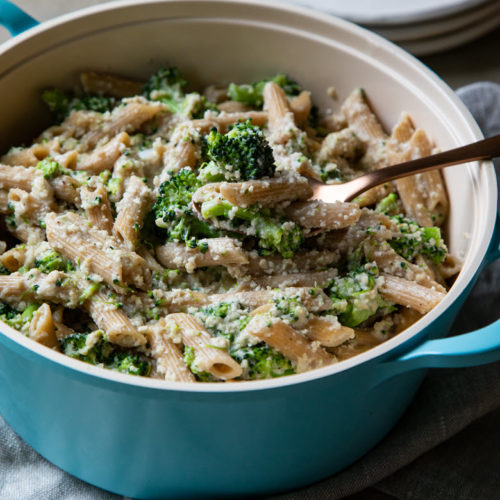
x=389, y=12
x=438, y=27
x=431, y=45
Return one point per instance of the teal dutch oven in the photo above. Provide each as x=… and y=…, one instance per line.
x=156, y=439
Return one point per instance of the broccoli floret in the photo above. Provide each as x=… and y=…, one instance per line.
x=53, y=261
x=50, y=168
x=388, y=205
x=262, y=361
x=356, y=297
x=241, y=154
x=274, y=234
x=167, y=86
x=251, y=94
x=94, y=348
x=61, y=104
x=416, y=240
x=132, y=363
x=18, y=320
x=172, y=211
x=235, y=317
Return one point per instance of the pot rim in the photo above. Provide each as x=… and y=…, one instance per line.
x=362, y=35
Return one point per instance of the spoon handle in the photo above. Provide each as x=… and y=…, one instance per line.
x=480, y=150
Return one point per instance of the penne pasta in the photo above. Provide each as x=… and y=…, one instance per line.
x=42, y=327
x=218, y=252
x=131, y=210
x=289, y=342
x=207, y=357
x=408, y=293
x=325, y=216
x=94, y=200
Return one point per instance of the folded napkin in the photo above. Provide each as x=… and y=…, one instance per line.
x=446, y=446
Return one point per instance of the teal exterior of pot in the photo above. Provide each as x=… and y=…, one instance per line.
x=161, y=442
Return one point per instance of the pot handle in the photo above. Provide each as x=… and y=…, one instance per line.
x=470, y=349
x=14, y=18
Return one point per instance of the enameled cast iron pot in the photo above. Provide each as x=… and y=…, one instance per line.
x=153, y=439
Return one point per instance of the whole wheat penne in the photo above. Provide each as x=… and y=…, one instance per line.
x=208, y=357
x=94, y=200
x=36, y=286
x=232, y=107
x=361, y=118
x=41, y=327
x=265, y=192
x=289, y=342
x=131, y=210
x=276, y=104
x=300, y=106
x=12, y=286
x=114, y=322
x=222, y=121
x=327, y=216
x=71, y=236
x=27, y=157
x=328, y=332
x=410, y=294
x=341, y=146
x=301, y=261
x=431, y=183
x=4, y=202
x=403, y=130
x=14, y=258
x=66, y=189
x=18, y=177
x=315, y=300
x=124, y=119
x=104, y=157
x=174, y=301
x=169, y=359
x=389, y=261
x=310, y=279
x=218, y=252
x=26, y=206
x=105, y=84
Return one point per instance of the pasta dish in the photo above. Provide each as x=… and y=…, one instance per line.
x=170, y=234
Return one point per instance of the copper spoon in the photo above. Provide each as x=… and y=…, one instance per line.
x=480, y=150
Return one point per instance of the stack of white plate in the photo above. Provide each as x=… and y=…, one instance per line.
x=419, y=26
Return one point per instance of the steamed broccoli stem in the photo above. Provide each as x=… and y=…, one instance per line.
x=273, y=234
x=388, y=205
x=53, y=261
x=172, y=211
x=263, y=362
x=356, y=298
x=416, y=240
x=95, y=349
x=61, y=104
x=243, y=153
x=251, y=94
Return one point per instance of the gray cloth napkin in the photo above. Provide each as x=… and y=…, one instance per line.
x=446, y=446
